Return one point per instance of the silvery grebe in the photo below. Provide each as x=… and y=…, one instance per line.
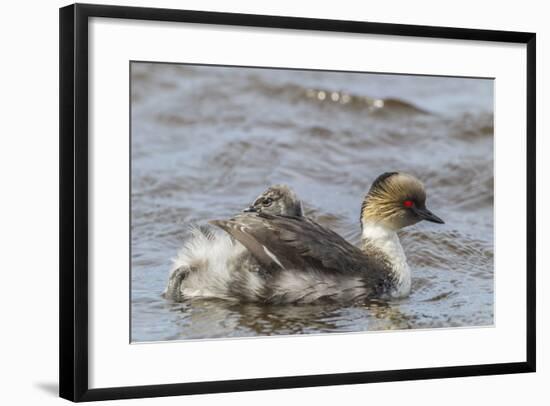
x=289, y=259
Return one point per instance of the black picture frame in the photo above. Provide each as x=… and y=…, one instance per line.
x=73, y=281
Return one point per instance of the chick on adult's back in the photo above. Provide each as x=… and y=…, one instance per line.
x=210, y=257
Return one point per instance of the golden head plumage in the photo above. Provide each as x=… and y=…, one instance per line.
x=396, y=200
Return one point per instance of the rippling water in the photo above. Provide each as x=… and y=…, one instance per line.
x=207, y=140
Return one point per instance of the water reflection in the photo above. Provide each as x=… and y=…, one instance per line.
x=231, y=319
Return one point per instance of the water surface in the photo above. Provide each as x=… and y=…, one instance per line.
x=207, y=140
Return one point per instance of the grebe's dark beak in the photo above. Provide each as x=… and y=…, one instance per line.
x=427, y=215
x=250, y=209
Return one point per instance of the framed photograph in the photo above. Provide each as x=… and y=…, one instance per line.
x=256, y=202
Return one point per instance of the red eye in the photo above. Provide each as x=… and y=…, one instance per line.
x=408, y=203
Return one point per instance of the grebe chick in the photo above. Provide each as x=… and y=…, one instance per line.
x=277, y=200
x=210, y=251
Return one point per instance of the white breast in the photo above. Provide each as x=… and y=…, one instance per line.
x=387, y=241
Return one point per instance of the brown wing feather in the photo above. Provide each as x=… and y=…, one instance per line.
x=295, y=242
x=241, y=234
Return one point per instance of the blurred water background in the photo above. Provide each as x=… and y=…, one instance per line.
x=205, y=141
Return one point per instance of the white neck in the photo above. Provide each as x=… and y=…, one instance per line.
x=386, y=240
